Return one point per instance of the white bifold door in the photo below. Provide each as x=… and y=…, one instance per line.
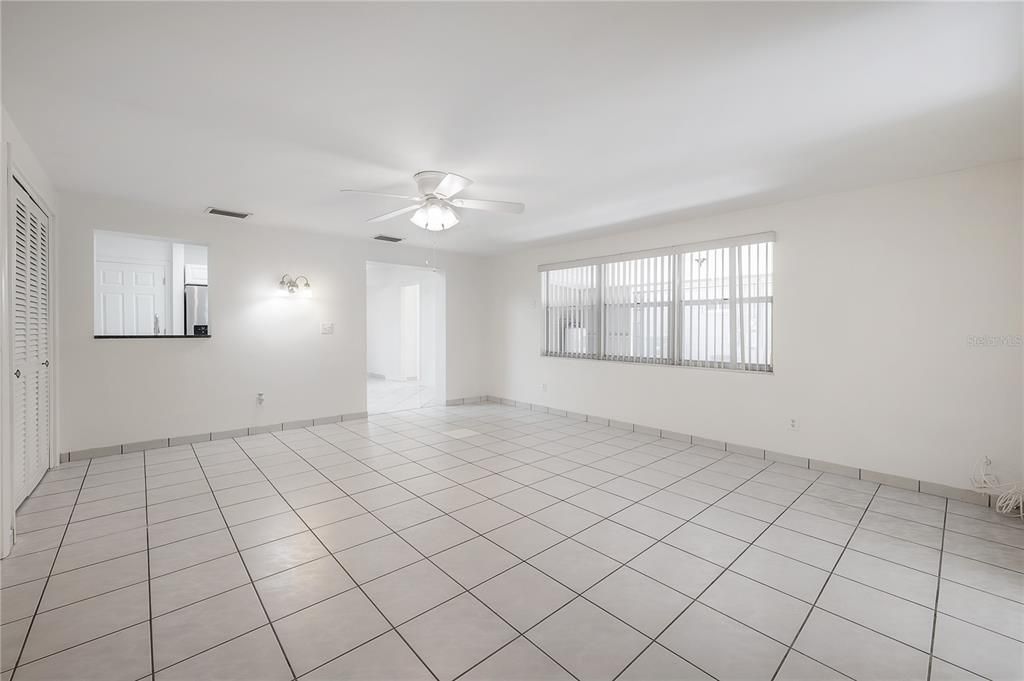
x=30, y=343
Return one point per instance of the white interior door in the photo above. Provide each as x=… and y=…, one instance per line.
x=30, y=347
x=131, y=299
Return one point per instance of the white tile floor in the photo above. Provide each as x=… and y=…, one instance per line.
x=486, y=542
x=383, y=396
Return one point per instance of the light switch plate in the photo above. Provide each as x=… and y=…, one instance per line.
x=326, y=328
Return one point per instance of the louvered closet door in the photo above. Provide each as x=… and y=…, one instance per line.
x=30, y=343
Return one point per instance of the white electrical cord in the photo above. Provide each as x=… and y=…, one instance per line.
x=1011, y=495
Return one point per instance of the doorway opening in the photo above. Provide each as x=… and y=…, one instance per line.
x=405, y=322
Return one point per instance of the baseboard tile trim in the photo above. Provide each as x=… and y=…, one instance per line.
x=327, y=420
x=834, y=468
x=956, y=494
x=190, y=439
x=788, y=459
x=935, y=489
x=678, y=437
x=891, y=480
x=95, y=452
x=145, y=444
x=708, y=442
x=229, y=434
x=967, y=496
x=752, y=452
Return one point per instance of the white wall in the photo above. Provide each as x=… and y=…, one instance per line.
x=116, y=390
x=383, y=331
x=117, y=246
x=409, y=355
x=195, y=255
x=876, y=294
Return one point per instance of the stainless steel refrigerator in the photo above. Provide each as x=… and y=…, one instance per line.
x=197, y=322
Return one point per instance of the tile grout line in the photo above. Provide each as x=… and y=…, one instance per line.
x=456, y=484
x=727, y=492
x=579, y=594
x=822, y=590
x=252, y=583
x=56, y=554
x=695, y=599
x=565, y=538
x=330, y=553
x=568, y=537
x=577, y=464
x=664, y=488
x=736, y=490
x=464, y=590
x=938, y=591
x=149, y=571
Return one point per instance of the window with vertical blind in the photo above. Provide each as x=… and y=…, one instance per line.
x=706, y=305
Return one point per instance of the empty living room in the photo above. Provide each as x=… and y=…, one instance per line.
x=511, y=341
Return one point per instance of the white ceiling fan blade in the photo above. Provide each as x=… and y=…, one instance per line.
x=496, y=206
x=395, y=213
x=390, y=196
x=451, y=185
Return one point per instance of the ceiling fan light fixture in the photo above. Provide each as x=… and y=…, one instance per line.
x=434, y=208
x=435, y=216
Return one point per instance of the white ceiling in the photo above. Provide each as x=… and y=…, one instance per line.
x=597, y=116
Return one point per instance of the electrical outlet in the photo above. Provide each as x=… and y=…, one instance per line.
x=543, y=387
x=326, y=328
x=259, y=398
x=794, y=424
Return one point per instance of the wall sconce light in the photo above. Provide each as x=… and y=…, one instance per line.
x=299, y=283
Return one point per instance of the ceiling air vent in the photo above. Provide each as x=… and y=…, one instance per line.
x=389, y=239
x=228, y=213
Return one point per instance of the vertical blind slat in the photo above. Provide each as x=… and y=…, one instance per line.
x=709, y=308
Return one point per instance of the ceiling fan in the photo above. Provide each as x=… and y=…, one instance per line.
x=434, y=208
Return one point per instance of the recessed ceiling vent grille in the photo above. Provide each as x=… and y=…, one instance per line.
x=389, y=239
x=228, y=213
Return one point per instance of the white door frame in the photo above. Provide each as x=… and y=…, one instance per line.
x=7, y=510
x=441, y=358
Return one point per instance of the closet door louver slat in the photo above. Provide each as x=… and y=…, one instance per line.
x=30, y=346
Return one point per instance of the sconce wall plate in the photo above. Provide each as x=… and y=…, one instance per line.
x=293, y=285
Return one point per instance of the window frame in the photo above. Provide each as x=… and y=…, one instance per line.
x=667, y=276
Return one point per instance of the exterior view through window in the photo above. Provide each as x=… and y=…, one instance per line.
x=705, y=305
